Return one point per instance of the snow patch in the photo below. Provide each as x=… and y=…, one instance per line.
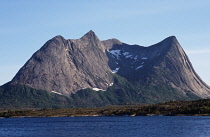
x=144, y=58
x=84, y=88
x=56, y=92
x=127, y=54
x=116, y=70
x=111, y=84
x=116, y=53
x=97, y=89
x=136, y=57
x=139, y=67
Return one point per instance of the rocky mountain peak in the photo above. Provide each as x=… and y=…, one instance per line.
x=171, y=38
x=167, y=42
x=58, y=37
x=173, y=41
x=66, y=66
x=111, y=42
x=89, y=40
x=90, y=36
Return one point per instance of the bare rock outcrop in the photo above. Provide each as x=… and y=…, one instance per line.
x=66, y=66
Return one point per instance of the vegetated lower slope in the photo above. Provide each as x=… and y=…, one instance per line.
x=121, y=93
x=172, y=108
x=20, y=96
x=125, y=92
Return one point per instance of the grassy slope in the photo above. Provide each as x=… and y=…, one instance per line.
x=124, y=92
x=18, y=96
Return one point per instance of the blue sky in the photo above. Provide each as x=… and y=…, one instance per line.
x=26, y=25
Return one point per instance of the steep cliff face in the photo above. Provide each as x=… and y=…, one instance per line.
x=176, y=70
x=164, y=63
x=66, y=66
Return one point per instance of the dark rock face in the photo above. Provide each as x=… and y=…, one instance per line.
x=66, y=66
x=162, y=63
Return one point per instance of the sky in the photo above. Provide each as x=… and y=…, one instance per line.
x=26, y=25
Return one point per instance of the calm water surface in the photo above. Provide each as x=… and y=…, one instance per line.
x=106, y=127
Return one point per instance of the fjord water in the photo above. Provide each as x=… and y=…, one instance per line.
x=191, y=126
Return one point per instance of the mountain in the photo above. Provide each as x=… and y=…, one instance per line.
x=164, y=63
x=66, y=66
x=87, y=72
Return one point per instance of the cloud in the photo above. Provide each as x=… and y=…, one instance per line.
x=202, y=51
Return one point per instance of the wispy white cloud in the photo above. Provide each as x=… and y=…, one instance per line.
x=201, y=51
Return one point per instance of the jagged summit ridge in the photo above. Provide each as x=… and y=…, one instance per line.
x=89, y=39
x=90, y=35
